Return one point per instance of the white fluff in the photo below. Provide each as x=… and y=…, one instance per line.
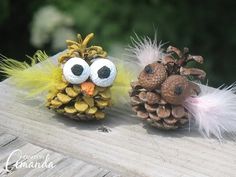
x=214, y=110
x=145, y=50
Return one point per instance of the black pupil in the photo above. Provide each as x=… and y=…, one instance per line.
x=148, y=69
x=77, y=69
x=178, y=90
x=104, y=72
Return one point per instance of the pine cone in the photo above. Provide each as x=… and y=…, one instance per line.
x=69, y=100
x=150, y=106
x=159, y=102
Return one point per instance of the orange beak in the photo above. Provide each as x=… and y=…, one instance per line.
x=88, y=88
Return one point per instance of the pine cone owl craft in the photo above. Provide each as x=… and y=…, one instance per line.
x=167, y=92
x=163, y=85
x=78, y=86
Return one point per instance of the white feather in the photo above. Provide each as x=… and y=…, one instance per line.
x=214, y=110
x=145, y=50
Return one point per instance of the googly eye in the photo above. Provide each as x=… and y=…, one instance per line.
x=76, y=70
x=103, y=72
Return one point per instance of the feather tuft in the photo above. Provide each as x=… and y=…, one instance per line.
x=121, y=86
x=145, y=50
x=36, y=79
x=214, y=110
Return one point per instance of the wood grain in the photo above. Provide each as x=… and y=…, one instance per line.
x=64, y=165
x=131, y=148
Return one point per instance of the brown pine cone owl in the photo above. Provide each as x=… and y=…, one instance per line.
x=163, y=84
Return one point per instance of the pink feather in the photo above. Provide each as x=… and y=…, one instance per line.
x=214, y=110
x=144, y=49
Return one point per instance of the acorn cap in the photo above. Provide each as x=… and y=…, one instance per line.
x=152, y=76
x=175, y=89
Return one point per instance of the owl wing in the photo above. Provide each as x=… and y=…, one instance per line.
x=121, y=87
x=36, y=79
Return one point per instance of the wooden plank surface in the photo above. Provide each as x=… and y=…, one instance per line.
x=64, y=165
x=131, y=148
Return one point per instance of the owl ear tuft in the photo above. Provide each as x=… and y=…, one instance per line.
x=145, y=50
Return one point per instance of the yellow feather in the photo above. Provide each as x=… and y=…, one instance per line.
x=36, y=79
x=121, y=87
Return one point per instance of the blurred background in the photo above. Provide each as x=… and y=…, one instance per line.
x=208, y=27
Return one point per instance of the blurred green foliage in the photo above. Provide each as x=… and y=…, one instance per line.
x=206, y=27
x=4, y=5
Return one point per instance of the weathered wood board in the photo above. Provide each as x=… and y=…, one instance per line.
x=64, y=165
x=131, y=148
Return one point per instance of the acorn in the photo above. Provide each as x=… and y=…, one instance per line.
x=175, y=89
x=152, y=76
